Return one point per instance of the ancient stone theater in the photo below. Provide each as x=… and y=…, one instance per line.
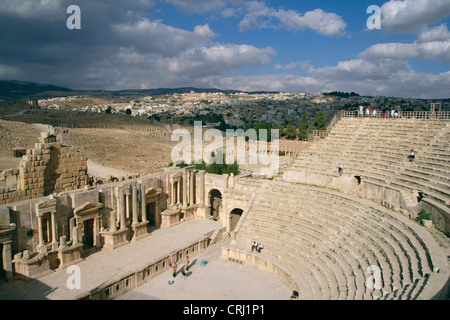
x=377, y=230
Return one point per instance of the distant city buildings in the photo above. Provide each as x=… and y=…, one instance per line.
x=237, y=109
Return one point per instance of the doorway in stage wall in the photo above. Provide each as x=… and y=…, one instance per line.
x=151, y=216
x=46, y=230
x=88, y=233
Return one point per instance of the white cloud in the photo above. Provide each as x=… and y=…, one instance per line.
x=434, y=50
x=329, y=24
x=215, y=60
x=407, y=15
x=193, y=67
x=438, y=33
x=294, y=65
x=260, y=16
x=360, y=70
x=204, y=31
x=270, y=82
x=195, y=6
x=47, y=9
x=155, y=37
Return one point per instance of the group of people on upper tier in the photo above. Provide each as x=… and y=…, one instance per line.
x=369, y=112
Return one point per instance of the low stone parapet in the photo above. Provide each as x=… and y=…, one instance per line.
x=134, y=279
x=30, y=265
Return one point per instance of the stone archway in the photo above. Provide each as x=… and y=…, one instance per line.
x=234, y=217
x=215, y=203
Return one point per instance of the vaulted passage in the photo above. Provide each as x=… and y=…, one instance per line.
x=235, y=215
x=215, y=202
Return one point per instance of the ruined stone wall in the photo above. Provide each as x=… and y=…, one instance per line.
x=51, y=168
x=48, y=168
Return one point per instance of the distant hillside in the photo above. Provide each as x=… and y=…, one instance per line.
x=170, y=91
x=12, y=89
x=164, y=91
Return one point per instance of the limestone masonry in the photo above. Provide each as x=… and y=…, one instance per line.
x=326, y=235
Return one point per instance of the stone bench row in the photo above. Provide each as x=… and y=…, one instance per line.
x=354, y=271
x=348, y=230
x=323, y=284
x=353, y=207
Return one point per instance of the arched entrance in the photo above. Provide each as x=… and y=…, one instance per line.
x=235, y=215
x=215, y=203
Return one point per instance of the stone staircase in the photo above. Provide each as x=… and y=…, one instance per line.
x=376, y=150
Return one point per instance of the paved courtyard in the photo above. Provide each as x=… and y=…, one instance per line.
x=217, y=280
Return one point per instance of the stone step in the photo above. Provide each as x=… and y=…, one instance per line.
x=334, y=205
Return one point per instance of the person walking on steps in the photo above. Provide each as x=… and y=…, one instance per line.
x=341, y=168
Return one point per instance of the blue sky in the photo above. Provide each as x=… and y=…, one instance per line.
x=291, y=46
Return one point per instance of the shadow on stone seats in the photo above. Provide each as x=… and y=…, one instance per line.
x=20, y=287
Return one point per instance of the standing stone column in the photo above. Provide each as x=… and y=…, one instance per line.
x=127, y=204
x=121, y=209
x=171, y=189
x=7, y=260
x=53, y=214
x=112, y=221
x=157, y=213
x=184, y=187
x=134, y=202
x=76, y=236
x=71, y=226
x=191, y=188
x=143, y=204
x=118, y=202
x=41, y=232
x=201, y=188
x=112, y=199
x=178, y=191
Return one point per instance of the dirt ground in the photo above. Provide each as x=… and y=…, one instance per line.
x=122, y=149
x=15, y=134
x=115, y=151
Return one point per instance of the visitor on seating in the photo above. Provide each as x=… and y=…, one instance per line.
x=412, y=156
x=260, y=246
x=341, y=168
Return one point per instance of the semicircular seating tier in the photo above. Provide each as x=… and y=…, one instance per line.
x=326, y=241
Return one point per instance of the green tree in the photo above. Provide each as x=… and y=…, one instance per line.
x=290, y=131
x=320, y=121
x=302, y=132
